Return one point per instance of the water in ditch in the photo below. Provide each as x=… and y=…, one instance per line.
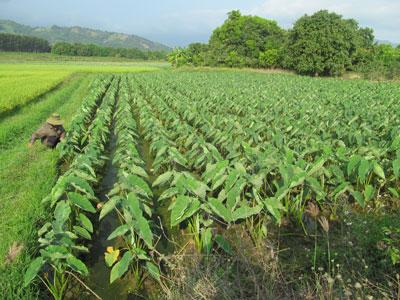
x=99, y=277
x=169, y=240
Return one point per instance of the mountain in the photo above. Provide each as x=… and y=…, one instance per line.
x=83, y=35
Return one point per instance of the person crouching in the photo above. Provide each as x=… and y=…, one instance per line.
x=50, y=133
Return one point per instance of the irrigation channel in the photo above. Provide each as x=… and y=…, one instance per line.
x=168, y=240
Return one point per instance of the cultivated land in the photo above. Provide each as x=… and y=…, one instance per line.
x=205, y=184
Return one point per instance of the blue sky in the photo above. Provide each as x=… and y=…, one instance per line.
x=179, y=22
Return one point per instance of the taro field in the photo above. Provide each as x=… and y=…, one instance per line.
x=222, y=185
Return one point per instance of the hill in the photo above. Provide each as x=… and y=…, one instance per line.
x=83, y=35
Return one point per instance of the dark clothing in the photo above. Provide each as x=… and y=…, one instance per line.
x=49, y=135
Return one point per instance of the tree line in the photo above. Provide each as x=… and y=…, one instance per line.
x=78, y=49
x=22, y=43
x=322, y=44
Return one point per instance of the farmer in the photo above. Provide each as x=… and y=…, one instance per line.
x=50, y=133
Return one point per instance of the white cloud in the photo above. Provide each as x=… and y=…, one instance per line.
x=195, y=20
x=383, y=16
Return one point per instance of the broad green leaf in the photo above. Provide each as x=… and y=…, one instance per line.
x=179, y=208
x=111, y=258
x=379, y=171
x=33, y=270
x=81, y=201
x=213, y=172
x=219, y=208
x=206, y=240
x=133, y=203
x=231, y=179
x=191, y=210
x=86, y=223
x=81, y=185
x=77, y=265
x=141, y=254
x=353, y=162
x=245, y=211
x=119, y=231
x=58, y=190
x=169, y=193
x=163, y=178
x=177, y=157
x=316, y=187
x=55, y=252
x=121, y=267
x=153, y=270
x=337, y=172
x=396, y=168
x=234, y=194
x=341, y=189
x=138, y=171
x=396, y=143
x=142, y=224
x=369, y=192
x=85, y=176
x=359, y=198
x=274, y=206
x=281, y=193
x=109, y=206
x=138, y=184
x=144, y=231
x=196, y=187
x=394, y=192
x=257, y=181
x=82, y=232
x=318, y=166
x=44, y=229
x=217, y=182
x=240, y=168
x=363, y=170
x=297, y=179
x=223, y=244
x=62, y=212
x=81, y=248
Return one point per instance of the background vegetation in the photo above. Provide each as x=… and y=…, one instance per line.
x=23, y=43
x=321, y=44
x=94, y=50
x=12, y=42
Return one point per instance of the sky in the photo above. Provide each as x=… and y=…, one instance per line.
x=180, y=22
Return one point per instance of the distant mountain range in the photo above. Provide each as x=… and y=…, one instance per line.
x=83, y=35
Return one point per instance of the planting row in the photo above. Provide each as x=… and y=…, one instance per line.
x=73, y=202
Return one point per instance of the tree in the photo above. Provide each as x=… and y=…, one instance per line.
x=241, y=39
x=324, y=43
x=387, y=54
x=178, y=57
x=197, y=54
x=95, y=50
x=22, y=43
x=269, y=58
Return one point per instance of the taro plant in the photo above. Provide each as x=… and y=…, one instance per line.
x=58, y=248
x=72, y=197
x=131, y=199
x=78, y=133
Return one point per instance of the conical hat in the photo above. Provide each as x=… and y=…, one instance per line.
x=55, y=120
